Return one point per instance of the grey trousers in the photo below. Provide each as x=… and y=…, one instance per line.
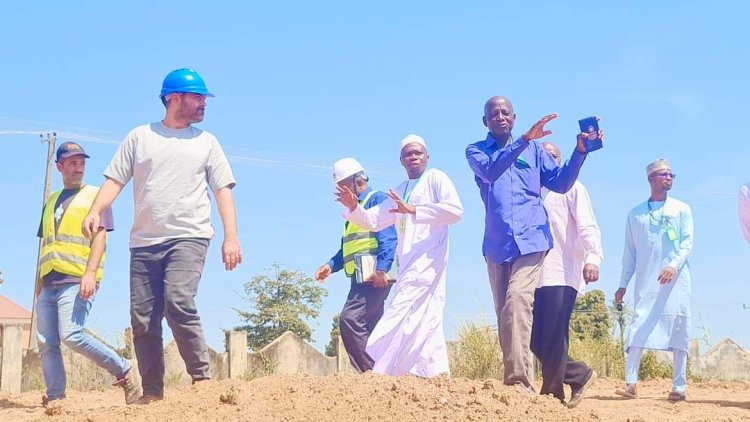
x=513, y=285
x=163, y=283
x=362, y=310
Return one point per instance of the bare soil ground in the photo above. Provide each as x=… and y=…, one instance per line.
x=349, y=397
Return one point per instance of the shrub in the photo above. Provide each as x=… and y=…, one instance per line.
x=476, y=354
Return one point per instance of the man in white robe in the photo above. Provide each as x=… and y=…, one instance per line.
x=743, y=210
x=409, y=339
x=569, y=266
x=658, y=240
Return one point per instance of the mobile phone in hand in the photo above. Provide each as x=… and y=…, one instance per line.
x=590, y=126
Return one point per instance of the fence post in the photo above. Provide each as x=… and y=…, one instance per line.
x=342, y=358
x=237, y=353
x=12, y=358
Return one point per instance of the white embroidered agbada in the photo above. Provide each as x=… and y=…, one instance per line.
x=409, y=339
x=661, y=314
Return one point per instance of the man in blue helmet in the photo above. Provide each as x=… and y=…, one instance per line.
x=173, y=165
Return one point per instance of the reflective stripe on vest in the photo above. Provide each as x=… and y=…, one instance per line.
x=357, y=240
x=67, y=251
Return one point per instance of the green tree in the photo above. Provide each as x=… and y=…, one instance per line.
x=591, y=317
x=335, y=333
x=284, y=301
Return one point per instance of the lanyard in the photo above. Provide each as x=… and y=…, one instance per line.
x=408, y=195
x=651, y=215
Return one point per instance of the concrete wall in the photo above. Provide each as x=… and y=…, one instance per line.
x=16, y=321
x=11, y=358
x=726, y=361
x=289, y=354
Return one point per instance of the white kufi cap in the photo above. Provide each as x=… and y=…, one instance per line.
x=413, y=139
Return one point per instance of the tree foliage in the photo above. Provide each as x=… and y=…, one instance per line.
x=283, y=300
x=591, y=317
x=335, y=333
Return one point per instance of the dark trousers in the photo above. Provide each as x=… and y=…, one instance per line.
x=163, y=283
x=362, y=310
x=553, y=307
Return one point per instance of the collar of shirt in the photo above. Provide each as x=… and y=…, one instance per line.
x=364, y=193
x=492, y=143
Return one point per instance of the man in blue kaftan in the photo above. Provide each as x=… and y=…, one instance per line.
x=658, y=240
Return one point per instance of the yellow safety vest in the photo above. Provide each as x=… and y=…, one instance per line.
x=357, y=241
x=67, y=251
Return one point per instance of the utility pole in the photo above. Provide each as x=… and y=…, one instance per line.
x=50, y=140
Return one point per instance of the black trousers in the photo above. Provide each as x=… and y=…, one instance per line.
x=362, y=310
x=553, y=307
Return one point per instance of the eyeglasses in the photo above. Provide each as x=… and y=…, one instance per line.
x=665, y=174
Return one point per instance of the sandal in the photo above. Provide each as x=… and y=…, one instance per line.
x=676, y=396
x=629, y=392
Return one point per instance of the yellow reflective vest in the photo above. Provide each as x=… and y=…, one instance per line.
x=67, y=251
x=357, y=241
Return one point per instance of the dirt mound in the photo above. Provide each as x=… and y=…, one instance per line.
x=348, y=397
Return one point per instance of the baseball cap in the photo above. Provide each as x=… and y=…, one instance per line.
x=69, y=149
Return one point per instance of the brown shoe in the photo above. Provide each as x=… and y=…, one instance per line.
x=577, y=395
x=629, y=392
x=676, y=396
x=133, y=392
x=46, y=400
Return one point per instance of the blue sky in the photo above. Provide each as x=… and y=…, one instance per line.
x=299, y=86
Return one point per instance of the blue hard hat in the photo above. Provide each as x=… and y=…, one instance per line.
x=184, y=80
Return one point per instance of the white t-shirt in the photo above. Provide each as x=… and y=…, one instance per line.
x=172, y=170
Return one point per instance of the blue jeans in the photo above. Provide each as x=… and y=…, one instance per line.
x=61, y=315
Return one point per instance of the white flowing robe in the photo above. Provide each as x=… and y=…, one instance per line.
x=409, y=338
x=661, y=317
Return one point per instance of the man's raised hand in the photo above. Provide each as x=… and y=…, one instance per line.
x=537, y=130
x=401, y=206
x=346, y=197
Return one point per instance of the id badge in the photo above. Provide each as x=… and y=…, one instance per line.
x=671, y=233
x=402, y=224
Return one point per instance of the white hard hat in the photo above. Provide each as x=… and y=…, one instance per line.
x=346, y=167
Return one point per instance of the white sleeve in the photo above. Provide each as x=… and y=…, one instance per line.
x=374, y=218
x=120, y=169
x=628, y=255
x=447, y=209
x=588, y=229
x=686, y=239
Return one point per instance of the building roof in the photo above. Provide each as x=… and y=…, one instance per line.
x=11, y=310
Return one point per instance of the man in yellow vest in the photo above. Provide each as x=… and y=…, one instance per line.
x=364, y=304
x=70, y=269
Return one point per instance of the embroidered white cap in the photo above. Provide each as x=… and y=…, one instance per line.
x=658, y=165
x=413, y=139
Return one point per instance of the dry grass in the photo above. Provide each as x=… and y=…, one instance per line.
x=476, y=354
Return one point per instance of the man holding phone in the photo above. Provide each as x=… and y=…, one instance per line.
x=510, y=174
